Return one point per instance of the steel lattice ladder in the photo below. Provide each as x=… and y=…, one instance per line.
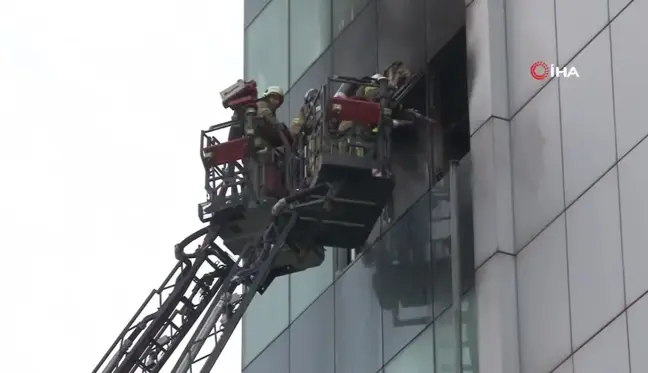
x=148, y=340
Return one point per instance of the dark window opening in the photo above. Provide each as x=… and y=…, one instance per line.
x=449, y=94
x=442, y=93
x=415, y=99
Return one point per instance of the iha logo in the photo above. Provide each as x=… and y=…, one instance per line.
x=540, y=71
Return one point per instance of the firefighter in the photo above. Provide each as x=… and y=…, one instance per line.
x=308, y=106
x=267, y=106
x=367, y=92
x=267, y=135
x=397, y=74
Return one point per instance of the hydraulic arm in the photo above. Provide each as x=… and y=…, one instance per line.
x=226, y=311
x=149, y=339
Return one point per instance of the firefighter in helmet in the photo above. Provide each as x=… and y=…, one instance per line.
x=367, y=92
x=268, y=139
x=397, y=74
x=267, y=106
x=301, y=127
x=307, y=108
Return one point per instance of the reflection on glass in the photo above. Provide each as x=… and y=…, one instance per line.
x=469, y=333
x=440, y=226
x=310, y=33
x=403, y=279
x=466, y=232
x=314, y=77
x=417, y=357
x=445, y=338
x=344, y=12
x=265, y=318
x=354, y=52
x=444, y=343
x=402, y=23
x=266, y=47
x=306, y=286
x=358, y=332
x=375, y=232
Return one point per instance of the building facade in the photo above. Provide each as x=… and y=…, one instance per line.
x=551, y=216
x=559, y=214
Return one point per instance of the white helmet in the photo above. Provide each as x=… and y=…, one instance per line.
x=273, y=90
x=378, y=77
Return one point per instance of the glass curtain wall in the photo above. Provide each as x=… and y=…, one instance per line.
x=395, y=301
x=392, y=309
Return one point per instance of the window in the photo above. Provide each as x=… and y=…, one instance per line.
x=355, y=52
x=265, y=318
x=401, y=31
x=315, y=77
x=252, y=9
x=417, y=357
x=466, y=232
x=410, y=156
x=449, y=94
x=358, y=332
x=469, y=354
x=405, y=273
x=440, y=231
x=311, y=338
x=443, y=20
x=274, y=359
x=310, y=33
x=266, y=47
x=344, y=12
x=445, y=338
x=307, y=285
x=445, y=342
x=442, y=94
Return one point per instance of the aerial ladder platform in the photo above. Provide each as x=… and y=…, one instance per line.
x=275, y=209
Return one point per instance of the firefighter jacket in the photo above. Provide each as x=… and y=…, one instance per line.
x=266, y=111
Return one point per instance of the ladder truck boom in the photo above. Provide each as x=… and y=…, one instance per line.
x=147, y=342
x=149, y=339
x=228, y=308
x=275, y=209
